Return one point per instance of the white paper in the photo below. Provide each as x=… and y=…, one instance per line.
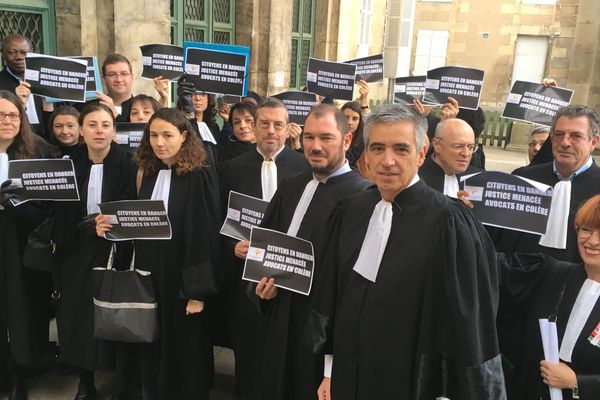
x=550, y=345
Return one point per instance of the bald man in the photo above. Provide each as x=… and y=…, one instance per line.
x=453, y=146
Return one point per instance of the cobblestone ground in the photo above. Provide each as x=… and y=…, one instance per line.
x=56, y=386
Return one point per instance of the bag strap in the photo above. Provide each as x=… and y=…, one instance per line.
x=111, y=256
x=138, y=180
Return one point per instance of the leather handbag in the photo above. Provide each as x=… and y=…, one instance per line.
x=125, y=307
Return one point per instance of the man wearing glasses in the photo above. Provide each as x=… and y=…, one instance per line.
x=575, y=178
x=453, y=146
x=14, y=50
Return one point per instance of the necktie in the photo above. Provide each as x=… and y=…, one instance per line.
x=94, y=189
x=558, y=220
x=268, y=178
x=307, y=195
x=373, y=246
x=162, y=187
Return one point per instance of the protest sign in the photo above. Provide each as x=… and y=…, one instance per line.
x=534, y=102
x=43, y=180
x=164, y=60
x=136, y=220
x=93, y=82
x=61, y=78
x=409, y=88
x=509, y=201
x=243, y=213
x=217, y=68
x=230, y=99
x=298, y=104
x=462, y=84
x=129, y=135
x=288, y=259
x=327, y=78
x=369, y=69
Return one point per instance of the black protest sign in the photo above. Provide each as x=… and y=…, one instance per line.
x=462, y=84
x=298, y=104
x=330, y=79
x=243, y=213
x=136, y=220
x=57, y=77
x=230, y=99
x=509, y=201
x=164, y=60
x=43, y=180
x=408, y=89
x=92, y=80
x=287, y=259
x=215, y=71
x=534, y=102
x=369, y=69
x=129, y=135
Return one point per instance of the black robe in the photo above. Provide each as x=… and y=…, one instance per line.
x=433, y=175
x=232, y=148
x=78, y=255
x=184, y=268
x=533, y=284
x=426, y=328
x=211, y=148
x=290, y=370
x=25, y=307
x=235, y=311
x=583, y=187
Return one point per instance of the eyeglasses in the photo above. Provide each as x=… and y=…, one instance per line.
x=13, y=116
x=585, y=232
x=575, y=137
x=13, y=53
x=278, y=125
x=472, y=148
x=114, y=75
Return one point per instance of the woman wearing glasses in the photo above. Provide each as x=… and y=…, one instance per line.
x=541, y=287
x=24, y=294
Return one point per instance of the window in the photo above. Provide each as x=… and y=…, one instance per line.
x=31, y=18
x=210, y=21
x=431, y=50
x=365, y=28
x=303, y=33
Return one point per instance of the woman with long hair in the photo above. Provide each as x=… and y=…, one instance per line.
x=173, y=168
x=352, y=111
x=25, y=307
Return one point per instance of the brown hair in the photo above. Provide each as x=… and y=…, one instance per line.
x=575, y=111
x=321, y=110
x=589, y=213
x=61, y=110
x=114, y=59
x=146, y=100
x=93, y=107
x=192, y=154
x=27, y=143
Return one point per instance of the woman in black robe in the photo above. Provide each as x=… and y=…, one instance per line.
x=241, y=117
x=174, y=169
x=65, y=130
x=104, y=173
x=541, y=287
x=24, y=294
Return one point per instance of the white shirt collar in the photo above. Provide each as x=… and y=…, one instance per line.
x=274, y=156
x=341, y=170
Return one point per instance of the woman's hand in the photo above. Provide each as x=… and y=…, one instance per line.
x=194, y=307
x=559, y=376
x=108, y=102
x=224, y=111
x=266, y=289
x=162, y=87
x=102, y=225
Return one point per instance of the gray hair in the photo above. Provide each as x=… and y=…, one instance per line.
x=15, y=37
x=579, y=110
x=392, y=113
x=539, y=129
x=271, y=102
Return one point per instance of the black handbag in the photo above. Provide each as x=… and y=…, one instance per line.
x=39, y=249
x=125, y=307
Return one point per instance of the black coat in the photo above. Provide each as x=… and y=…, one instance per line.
x=426, y=327
x=79, y=254
x=184, y=268
x=433, y=175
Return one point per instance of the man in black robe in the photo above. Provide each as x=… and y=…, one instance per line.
x=302, y=204
x=14, y=49
x=244, y=174
x=453, y=147
x=406, y=301
x=574, y=134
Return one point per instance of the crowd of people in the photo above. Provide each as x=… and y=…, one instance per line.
x=412, y=297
